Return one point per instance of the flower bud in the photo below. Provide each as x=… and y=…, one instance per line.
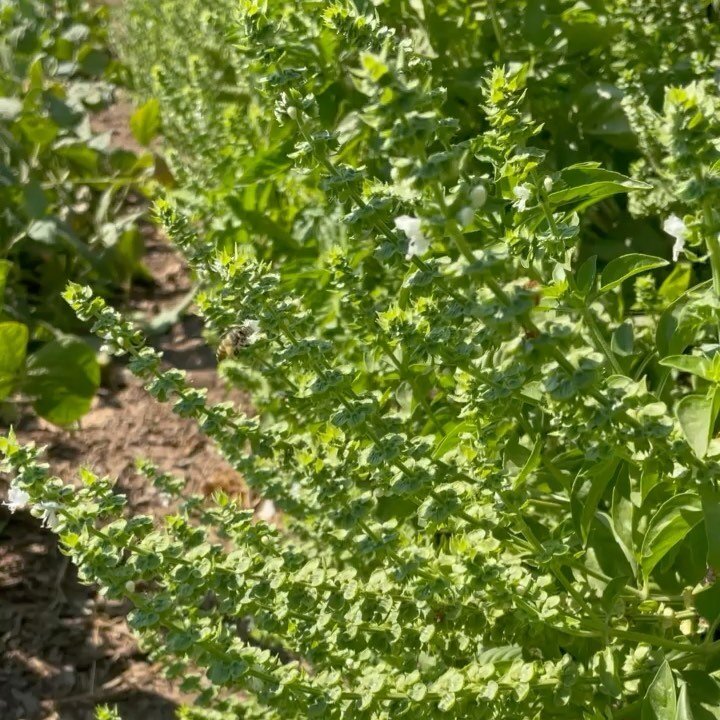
x=548, y=184
x=130, y=586
x=466, y=216
x=478, y=196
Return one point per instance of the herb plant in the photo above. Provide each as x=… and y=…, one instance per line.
x=466, y=258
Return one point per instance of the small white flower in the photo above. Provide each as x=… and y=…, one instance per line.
x=523, y=193
x=466, y=216
x=130, y=586
x=17, y=499
x=266, y=511
x=49, y=514
x=548, y=184
x=675, y=227
x=418, y=244
x=478, y=196
x=252, y=327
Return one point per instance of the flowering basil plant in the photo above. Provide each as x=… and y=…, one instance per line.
x=465, y=257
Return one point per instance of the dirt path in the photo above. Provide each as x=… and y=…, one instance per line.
x=63, y=649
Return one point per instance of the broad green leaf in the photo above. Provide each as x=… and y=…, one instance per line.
x=660, y=702
x=684, y=711
x=711, y=513
x=5, y=266
x=676, y=283
x=677, y=325
x=585, y=276
x=692, y=364
x=622, y=515
x=13, y=346
x=669, y=526
x=588, y=183
x=589, y=486
x=531, y=465
x=62, y=378
x=626, y=266
x=145, y=122
x=622, y=340
x=696, y=415
x=452, y=438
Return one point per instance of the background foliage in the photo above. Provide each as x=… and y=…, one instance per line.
x=62, y=193
x=466, y=256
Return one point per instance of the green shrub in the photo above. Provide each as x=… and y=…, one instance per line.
x=429, y=238
x=62, y=194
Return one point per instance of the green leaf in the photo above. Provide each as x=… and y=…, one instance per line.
x=622, y=340
x=5, y=267
x=669, y=526
x=588, y=487
x=676, y=283
x=622, y=268
x=13, y=346
x=696, y=415
x=622, y=515
x=145, y=122
x=62, y=378
x=588, y=183
x=710, y=497
x=684, y=711
x=585, y=276
x=692, y=364
x=452, y=438
x=531, y=465
x=660, y=702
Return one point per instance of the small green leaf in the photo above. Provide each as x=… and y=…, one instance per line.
x=622, y=268
x=585, y=276
x=62, y=378
x=13, y=346
x=145, y=122
x=696, y=415
x=660, y=702
x=684, y=711
x=5, y=267
x=670, y=524
x=452, y=438
x=711, y=512
x=676, y=283
x=588, y=487
x=531, y=465
x=622, y=340
x=588, y=183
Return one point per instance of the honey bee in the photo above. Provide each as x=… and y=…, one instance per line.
x=237, y=338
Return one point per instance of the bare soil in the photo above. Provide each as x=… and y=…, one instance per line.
x=63, y=648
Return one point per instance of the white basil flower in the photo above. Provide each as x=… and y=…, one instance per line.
x=49, y=514
x=418, y=244
x=18, y=499
x=466, y=216
x=523, y=194
x=675, y=227
x=478, y=196
x=548, y=184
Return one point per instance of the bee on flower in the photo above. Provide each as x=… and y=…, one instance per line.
x=237, y=338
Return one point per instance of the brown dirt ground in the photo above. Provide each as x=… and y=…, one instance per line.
x=63, y=649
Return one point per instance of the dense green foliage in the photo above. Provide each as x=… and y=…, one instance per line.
x=62, y=198
x=466, y=257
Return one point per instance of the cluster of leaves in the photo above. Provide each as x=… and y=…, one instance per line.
x=485, y=397
x=63, y=190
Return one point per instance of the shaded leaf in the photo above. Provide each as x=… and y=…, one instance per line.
x=626, y=266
